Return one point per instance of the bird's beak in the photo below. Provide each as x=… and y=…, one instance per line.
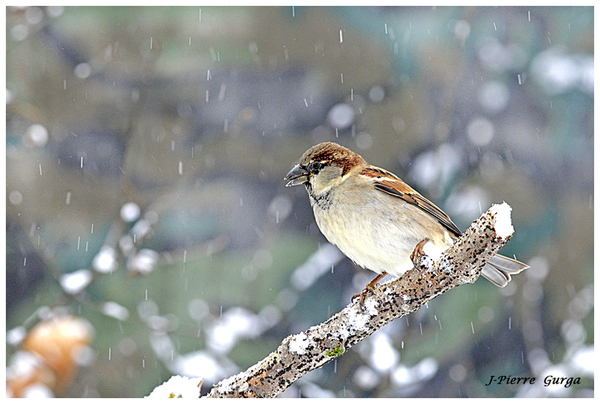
x=296, y=176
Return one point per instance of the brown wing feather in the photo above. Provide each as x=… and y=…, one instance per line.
x=392, y=185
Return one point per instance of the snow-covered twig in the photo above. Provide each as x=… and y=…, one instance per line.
x=301, y=353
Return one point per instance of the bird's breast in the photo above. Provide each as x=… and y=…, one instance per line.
x=370, y=232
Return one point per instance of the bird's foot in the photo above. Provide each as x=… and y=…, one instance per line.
x=368, y=290
x=418, y=252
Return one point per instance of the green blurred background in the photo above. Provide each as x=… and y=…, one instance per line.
x=146, y=148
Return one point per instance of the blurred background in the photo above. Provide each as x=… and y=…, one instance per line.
x=149, y=232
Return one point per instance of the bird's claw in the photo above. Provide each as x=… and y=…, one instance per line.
x=418, y=251
x=362, y=296
x=368, y=290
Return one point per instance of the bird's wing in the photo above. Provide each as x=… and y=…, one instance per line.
x=390, y=184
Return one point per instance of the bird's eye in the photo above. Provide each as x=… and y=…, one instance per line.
x=315, y=167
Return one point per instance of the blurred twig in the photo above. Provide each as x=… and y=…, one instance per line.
x=302, y=353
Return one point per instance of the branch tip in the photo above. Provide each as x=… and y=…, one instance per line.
x=503, y=223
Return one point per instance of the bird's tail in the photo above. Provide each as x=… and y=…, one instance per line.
x=499, y=269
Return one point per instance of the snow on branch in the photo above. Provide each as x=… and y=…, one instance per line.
x=302, y=353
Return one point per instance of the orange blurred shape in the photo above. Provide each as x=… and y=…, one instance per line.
x=58, y=343
x=26, y=373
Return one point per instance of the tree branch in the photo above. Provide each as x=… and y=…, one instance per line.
x=301, y=353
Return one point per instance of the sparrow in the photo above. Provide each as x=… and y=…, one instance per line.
x=374, y=217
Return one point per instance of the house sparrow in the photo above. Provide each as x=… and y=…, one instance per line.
x=374, y=217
